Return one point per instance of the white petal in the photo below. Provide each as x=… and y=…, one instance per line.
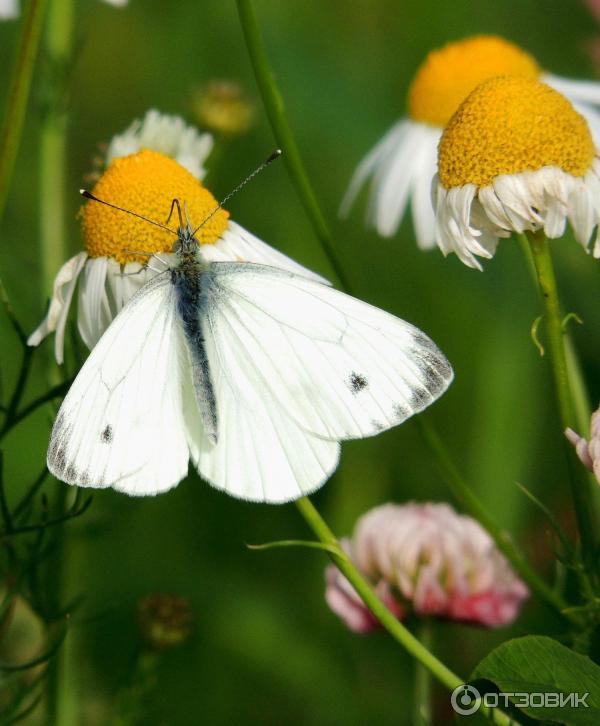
x=586, y=91
x=370, y=162
x=62, y=294
x=9, y=9
x=393, y=181
x=423, y=213
x=93, y=311
x=168, y=135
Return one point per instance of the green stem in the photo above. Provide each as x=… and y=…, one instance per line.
x=465, y=495
x=580, y=487
x=18, y=94
x=275, y=108
x=422, y=694
x=387, y=619
x=53, y=142
x=52, y=213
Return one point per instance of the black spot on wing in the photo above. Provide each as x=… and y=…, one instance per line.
x=107, y=434
x=357, y=382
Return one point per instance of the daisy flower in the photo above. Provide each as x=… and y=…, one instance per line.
x=403, y=163
x=9, y=9
x=515, y=157
x=112, y=268
x=428, y=560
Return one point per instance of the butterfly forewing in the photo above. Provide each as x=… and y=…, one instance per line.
x=338, y=367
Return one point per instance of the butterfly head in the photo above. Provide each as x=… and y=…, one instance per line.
x=186, y=242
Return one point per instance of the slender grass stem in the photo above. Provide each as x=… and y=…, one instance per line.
x=580, y=487
x=389, y=621
x=18, y=94
x=275, y=108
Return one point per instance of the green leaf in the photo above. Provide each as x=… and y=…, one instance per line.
x=540, y=665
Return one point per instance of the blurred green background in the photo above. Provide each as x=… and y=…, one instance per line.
x=265, y=648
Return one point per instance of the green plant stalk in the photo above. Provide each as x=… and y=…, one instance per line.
x=275, y=108
x=53, y=142
x=18, y=94
x=387, y=619
x=580, y=487
x=58, y=46
x=422, y=693
x=576, y=380
x=465, y=495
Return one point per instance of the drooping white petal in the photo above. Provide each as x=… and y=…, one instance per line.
x=401, y=166
x=93, y=311
x=366, y=167
x=62, y=294
x=470, y=222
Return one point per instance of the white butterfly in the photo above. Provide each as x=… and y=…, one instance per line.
x=254, y=372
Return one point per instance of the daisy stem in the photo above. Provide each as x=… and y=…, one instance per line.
x=18, y=93
x=580, y=487
x=275, y=108
x=579, y=392
x=387, y=619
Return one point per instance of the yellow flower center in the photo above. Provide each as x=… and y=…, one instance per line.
x=146, y=183
x=449, y=74
x=512, y=125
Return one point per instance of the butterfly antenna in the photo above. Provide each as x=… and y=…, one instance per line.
x=89, y=195
x=271, y=158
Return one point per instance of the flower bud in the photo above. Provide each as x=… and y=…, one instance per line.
x=223, y=108
x=165, y=620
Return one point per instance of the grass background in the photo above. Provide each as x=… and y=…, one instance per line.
x=265, y=648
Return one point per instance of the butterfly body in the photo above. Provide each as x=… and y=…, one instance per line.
x=188, y=277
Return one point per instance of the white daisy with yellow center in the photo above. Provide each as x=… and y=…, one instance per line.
x=115, y=263
x=402, y=165
x=515, y=157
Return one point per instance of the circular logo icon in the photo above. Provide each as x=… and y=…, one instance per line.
x=465, y=700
